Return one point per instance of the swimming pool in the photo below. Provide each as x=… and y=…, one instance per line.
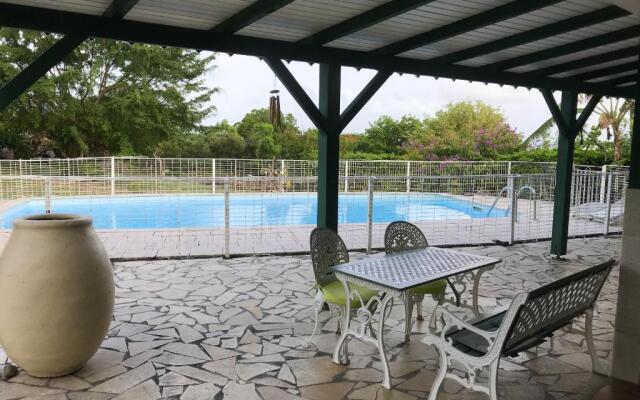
x=207, y=211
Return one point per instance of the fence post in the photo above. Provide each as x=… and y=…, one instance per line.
x=113, y=176
x=346, y=176
x=21, y=179
x=607, y=220
x=509, y=168
x=226, y=219
x=213, y=175
x=408, y=176
x=514, y=211
x=282, y=177
x=603, y=184
x=47, y=195
x=370, y=215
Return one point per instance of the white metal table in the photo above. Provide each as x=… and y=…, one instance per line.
x=393, y=276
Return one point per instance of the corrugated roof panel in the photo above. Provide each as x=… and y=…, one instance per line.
x=609, y=77
x=596, y=67
x=305, y=17
x=554, y=41
x=422, y=19
x=92, y=7
x=510, y=27
x=196, y=14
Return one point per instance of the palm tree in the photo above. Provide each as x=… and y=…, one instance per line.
x=612, y=116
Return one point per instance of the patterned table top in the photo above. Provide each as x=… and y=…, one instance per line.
x=409, y=269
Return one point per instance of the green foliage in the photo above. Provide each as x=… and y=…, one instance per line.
x=388, y=136
x=218, y=141
x=105, y=98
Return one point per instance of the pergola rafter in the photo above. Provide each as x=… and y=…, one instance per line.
x=364, y=20
x=66, y=22
x=54, y=55
x=569, y=48
x=249, y=15
x=602, y=58
x=489, y=17
x=543, y=32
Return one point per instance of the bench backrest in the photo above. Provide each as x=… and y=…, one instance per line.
x=553, y=306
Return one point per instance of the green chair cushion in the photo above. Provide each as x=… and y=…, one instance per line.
x=433, y=288
x=334, y=293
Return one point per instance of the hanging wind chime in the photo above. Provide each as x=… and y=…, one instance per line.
x=275, y=115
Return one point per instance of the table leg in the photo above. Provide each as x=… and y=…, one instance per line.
x=476, y=284
x=386, y=377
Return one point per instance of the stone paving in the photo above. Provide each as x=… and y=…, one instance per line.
x=234, y=329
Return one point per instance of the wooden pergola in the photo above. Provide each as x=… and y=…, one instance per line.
x=573, y=46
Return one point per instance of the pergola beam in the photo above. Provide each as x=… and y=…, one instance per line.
x=363, y=97
x=54, y=55
x=566, y=123
x=297, y=92
x=606, y=71
x=568, y=128
x=621, y=80
x=361, y=21
x=586, y=62
x=573, y=47
x=63, y=22
x=489, y=17
x=586, y=112
x=34, y=71
x=119, y=8
x=249, y=15
x=543, y=32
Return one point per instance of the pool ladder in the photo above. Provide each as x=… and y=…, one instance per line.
x=508, y=190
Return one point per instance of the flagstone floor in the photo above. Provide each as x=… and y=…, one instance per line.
x=234, y=329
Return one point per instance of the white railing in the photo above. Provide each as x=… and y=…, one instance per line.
x=275, y=214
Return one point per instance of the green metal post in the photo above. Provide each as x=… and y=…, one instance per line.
x=564, y=170
x=634, y=165
x=329, y=146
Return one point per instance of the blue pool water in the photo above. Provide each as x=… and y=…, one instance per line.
x=138, y=212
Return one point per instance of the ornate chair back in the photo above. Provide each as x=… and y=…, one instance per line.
x=402, y=236
x=327, y=250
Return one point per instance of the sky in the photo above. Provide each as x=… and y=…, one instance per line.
x=245, y=83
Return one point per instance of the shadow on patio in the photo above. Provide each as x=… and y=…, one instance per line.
x=200, y=329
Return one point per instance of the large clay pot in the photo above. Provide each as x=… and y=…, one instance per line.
x=56, y=294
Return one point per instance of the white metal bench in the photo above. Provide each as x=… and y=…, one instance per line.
x=530, y=319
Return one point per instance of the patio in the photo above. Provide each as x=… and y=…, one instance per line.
x=201, y=329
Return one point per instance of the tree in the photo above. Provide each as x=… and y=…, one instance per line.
x=263, y=140
x=614, y=116
x=386, y=135
x=105, y=98
x=463, y=131
x=218, y=141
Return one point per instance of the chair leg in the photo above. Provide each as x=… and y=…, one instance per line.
x=317, y=307
x=456, y=294
x=440, y=301
x=596, y=362
x=444, y=362
x=493, y=379
x=408, y=312
x=419, y=315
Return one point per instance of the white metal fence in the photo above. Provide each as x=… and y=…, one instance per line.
x=189, y=207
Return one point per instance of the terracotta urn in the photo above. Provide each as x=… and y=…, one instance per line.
x=56, y=294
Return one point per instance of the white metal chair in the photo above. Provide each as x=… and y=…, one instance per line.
x=529, y=321
x=404, y=236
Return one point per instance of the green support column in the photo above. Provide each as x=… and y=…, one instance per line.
x=564, y=171
x=329, y=147
x=634, y=166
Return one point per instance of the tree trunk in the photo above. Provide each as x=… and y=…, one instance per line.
x=617, y=145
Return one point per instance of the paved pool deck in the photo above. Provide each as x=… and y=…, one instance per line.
x=207, y=328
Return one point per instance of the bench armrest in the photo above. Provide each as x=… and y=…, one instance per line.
x=451, y=322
